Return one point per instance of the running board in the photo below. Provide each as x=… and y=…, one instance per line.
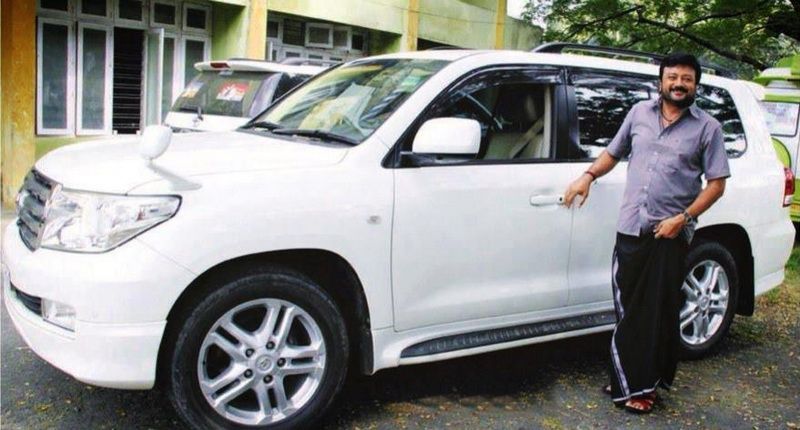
x=508, y=334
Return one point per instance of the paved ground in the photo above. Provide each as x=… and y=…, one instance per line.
x=753, y=382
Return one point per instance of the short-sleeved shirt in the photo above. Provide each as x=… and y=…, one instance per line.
x=666, y=164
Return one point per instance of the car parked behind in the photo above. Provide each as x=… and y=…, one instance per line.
x=227, y=94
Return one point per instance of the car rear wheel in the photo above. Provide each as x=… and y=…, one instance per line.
x=267, y=350
x=710, y=290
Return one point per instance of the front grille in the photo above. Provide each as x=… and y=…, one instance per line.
x=33, y=303
x=31, y=203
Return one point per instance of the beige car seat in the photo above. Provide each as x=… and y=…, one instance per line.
x=527, y=144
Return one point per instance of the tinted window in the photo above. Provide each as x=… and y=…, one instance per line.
x=719, y=104
x=603, y=101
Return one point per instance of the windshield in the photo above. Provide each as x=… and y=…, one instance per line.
x=781, y=117
x=228, y=93
x=353, y=100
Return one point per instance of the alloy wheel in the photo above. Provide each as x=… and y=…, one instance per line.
x=261, y=362
x=707, y=291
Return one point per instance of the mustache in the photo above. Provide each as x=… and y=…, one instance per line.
x=679, y=88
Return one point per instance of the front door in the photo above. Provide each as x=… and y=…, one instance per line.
x=486, y=237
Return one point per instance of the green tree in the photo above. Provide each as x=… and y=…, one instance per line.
x=744, y=35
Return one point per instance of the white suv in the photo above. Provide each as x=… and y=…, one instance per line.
x=398, y=209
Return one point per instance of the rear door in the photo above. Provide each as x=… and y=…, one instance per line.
x=602, y=100
x=485, y=237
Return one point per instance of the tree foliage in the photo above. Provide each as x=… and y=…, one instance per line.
x=744, y=35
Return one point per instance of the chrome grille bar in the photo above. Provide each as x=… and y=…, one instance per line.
x=31, y=204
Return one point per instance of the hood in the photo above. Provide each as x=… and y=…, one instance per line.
x=115, y=166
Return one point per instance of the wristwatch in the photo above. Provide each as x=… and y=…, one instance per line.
x=688, y=218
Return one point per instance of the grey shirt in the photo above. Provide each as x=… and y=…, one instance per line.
x=665, y=164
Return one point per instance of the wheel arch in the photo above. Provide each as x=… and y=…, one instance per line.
x=328, y=269
x=735, y=238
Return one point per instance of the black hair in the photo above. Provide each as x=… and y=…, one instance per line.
x=680, y=59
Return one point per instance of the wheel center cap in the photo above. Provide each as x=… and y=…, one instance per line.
x=263, y=363
x=704, y=302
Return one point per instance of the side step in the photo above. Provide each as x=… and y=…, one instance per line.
x=508, y=334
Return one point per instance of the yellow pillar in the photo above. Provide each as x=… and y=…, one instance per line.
x=410, y=27
x=257, y=30
x=18, y=74
x=500, y=24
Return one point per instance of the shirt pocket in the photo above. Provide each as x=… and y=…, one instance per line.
x=674, y=162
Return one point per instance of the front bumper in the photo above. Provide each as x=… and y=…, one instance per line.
x=121, y=300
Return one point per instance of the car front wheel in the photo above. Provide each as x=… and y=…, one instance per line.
x=710, y=290
x=267, y=350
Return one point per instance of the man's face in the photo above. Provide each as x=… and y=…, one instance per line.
x=678, y=85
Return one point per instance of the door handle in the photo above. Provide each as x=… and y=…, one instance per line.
x=547, y=200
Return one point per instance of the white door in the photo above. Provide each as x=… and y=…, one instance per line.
x=487, y=237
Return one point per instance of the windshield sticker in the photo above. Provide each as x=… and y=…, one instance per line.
x=233, y=91
x=192, y=89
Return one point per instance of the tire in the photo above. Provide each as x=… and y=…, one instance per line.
x=260, y=360
x=705, y=318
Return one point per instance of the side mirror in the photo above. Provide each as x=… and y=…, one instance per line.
x=155, y=140
x=456, y=136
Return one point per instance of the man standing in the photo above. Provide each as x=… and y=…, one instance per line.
x=671, y=143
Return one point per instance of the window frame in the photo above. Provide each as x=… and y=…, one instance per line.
x=319, y=25
x=108, y=77
x=173, y=27
x=349, y=30
x=119, y=21
x=43, y=12
x=180, y=84
x=363, y=35
x=71, y=77
x=393, y=159
x=109, y=11
x=279, y=21
x=191, y=5
x=177, y=85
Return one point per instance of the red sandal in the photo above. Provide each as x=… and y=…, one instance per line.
x=640, y=404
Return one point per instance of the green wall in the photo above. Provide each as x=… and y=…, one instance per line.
x=229, y=35
x=386, y=15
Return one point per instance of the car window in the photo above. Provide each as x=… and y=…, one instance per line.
x=603, y=101
x=781, y=117
x=227, y=92
x=719, y=104
x=513, y=108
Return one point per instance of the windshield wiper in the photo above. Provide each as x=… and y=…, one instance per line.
x=320, y=134
x=269, y=125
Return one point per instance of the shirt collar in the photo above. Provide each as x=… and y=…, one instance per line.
x=693, y=109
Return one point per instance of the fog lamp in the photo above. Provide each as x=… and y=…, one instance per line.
x=59, y=314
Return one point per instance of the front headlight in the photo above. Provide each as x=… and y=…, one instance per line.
x=90, y=222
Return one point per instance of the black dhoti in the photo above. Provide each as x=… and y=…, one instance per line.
x=647, y=274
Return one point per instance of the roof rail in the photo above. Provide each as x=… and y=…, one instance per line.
x=297, y=61
x=622, y=54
